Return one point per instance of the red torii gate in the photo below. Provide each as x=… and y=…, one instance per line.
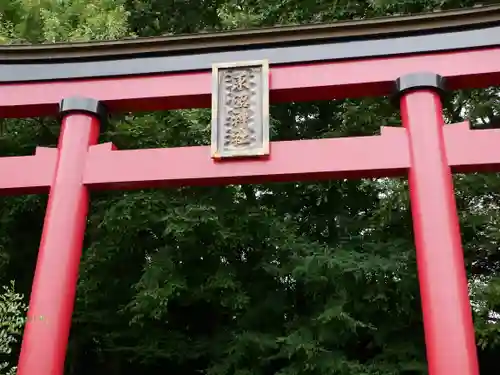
x=307, y=63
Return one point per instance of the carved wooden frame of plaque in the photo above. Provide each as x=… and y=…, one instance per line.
x=253, y=136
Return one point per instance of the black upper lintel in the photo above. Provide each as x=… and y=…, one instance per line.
x=389, y=36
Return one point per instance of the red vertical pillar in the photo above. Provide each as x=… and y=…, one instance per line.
x=449, y=330
x=46, y=334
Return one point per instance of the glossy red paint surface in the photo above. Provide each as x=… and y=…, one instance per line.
x=46, y=333
x=340, y=79
x=449, y=332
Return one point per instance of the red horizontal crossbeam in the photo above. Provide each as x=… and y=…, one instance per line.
x=359, y=157
x=28, y=174
x=326, y=80
x=472, y=150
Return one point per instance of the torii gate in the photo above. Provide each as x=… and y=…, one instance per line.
x=414, y=55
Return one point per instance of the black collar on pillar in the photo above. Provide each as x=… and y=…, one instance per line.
x=418, y=81
x=88, y=106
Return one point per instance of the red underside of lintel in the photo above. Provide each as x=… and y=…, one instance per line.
x=306, y=82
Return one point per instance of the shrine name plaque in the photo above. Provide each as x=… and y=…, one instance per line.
x=240, y=109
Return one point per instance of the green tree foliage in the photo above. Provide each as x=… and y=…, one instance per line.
x=12, y=318
x=287, y=279
x=48, y=21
